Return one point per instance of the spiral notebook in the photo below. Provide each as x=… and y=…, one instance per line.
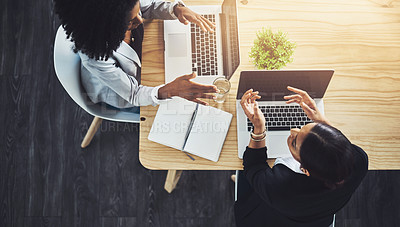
x=187, y=126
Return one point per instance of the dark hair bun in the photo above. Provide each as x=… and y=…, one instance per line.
x=327, y=154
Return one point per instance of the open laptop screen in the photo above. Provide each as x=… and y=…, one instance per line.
x=230, y=37
x=272, y=84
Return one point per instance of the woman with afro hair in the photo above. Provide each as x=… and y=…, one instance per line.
x=108, y=37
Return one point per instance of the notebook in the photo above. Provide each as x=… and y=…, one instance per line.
x=202, y=133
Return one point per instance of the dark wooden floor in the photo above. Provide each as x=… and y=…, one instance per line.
x=47, y=180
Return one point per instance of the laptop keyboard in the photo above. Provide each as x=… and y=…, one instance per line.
x=279, y=118
x=204, y=50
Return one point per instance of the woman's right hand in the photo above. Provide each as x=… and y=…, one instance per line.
x=187, y=89
x=250, y=108
x=307, y=104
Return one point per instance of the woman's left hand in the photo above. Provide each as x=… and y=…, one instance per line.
x=250, y=107
x=185, y=15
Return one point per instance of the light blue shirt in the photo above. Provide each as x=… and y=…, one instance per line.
x=117, y=86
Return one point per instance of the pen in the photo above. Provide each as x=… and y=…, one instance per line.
x=189, y=129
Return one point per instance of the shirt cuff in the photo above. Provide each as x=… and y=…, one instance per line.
x=172, y=6
x=154, y=96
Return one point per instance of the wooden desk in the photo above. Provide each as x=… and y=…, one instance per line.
x=359, y=39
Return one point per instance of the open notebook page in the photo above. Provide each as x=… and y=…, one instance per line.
x=208, y=132
x=171, y=122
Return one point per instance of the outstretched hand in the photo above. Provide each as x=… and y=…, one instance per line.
x=185, y=15
x=307, y=104
x=250, y=108
x=187, y=89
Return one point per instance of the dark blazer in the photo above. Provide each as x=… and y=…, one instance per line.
x=281, y=197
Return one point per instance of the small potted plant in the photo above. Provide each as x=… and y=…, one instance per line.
x=272, y=50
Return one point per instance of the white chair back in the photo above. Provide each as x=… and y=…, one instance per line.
x=67, y=65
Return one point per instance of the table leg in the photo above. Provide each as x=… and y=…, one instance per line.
x=172, y=179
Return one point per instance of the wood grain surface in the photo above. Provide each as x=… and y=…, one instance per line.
x=46, y=179
x=359, y=39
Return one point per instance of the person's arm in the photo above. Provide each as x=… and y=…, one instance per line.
x=263, y=179
x=126, y=86
x=158, y=9
x=250, y=108
x=187, y=89
x=123, y=84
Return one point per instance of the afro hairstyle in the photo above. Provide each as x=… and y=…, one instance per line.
x=97, y=27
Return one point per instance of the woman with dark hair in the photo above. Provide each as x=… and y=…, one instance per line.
x=108, y=36
x=306, y=189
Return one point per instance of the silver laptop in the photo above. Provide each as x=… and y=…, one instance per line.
x=280, y=117
x=188, y=49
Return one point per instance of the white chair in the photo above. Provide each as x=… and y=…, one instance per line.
x=67, y=65
x=236, y=191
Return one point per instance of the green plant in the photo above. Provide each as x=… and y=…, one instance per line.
x=272, y=50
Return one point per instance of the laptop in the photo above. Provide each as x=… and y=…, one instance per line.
x=188, y=49
x=280, y=117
